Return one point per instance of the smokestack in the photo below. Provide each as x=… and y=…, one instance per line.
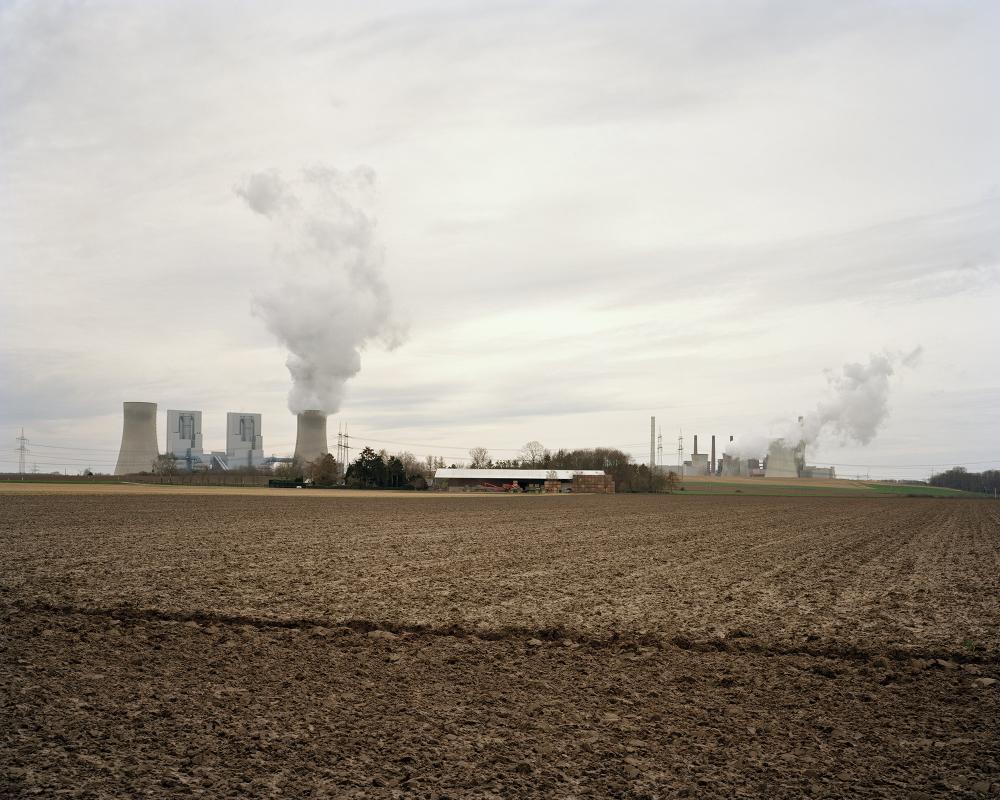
x=695, y=451
x=712, y=464
x=310, y=438
x=139, y=449
x=652, y=444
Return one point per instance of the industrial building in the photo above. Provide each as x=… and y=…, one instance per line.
x=782, y=460
x=557, y=480
x=244, y=441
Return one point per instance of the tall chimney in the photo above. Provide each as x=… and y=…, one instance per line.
x=139, y=449
x=652, y=444
x=695, y=451
x=712, y=465
x=310, y=437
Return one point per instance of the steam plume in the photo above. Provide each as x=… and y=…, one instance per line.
x=332, y=300
x=855, y=409
x=858, y=404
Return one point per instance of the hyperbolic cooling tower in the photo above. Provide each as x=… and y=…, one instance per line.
x=139, y=449
x=781, y=461
x=310, y=440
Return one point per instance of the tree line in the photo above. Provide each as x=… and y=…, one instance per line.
x=380, y=470
x=628, y=476
x=987, y=482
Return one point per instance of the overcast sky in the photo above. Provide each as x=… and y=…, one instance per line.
x=590, y=213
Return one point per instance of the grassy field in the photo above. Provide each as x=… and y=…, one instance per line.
x=812, y=488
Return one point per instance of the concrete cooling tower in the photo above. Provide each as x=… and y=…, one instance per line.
x=781, y=461
x=310, y=440
x=139, y=448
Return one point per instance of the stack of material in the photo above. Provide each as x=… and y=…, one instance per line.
x=552, y=485
x=594, y=484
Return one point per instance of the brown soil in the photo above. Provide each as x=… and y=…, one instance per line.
x=245, y=645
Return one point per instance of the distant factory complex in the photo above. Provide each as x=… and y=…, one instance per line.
x=782, y=460
x=245, y=449
x=140, y=446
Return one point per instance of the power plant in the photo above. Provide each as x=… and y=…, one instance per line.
x=139, y=449
x=245, y=447
x=781, y=460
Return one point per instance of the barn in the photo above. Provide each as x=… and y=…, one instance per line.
x=494, y=480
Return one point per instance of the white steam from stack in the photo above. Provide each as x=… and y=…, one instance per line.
x=854, y=411
x=332, y=299
x=858, y=404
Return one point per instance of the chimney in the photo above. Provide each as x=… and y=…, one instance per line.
x=310, y=438
x=139, y=449
x=695, y=451
x=712, y=467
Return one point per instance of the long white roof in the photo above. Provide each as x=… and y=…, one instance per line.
x=514, y=474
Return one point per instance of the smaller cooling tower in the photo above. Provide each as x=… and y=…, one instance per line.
x=139, y=449
x=781, y=461
x=310, y=439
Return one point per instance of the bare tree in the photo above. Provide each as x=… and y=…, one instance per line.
x=165, y=466
x=671, y=481
x=480, y=457
x=533, y=452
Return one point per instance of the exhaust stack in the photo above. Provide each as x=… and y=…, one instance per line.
x=139, y=449
x=310, y=438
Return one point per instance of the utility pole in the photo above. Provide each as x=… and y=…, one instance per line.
x=680, y=451
x=22, y=451
x=347, y=445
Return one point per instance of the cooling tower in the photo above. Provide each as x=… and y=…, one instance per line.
x=780, y=461
x=139, y=449
x=310, y=440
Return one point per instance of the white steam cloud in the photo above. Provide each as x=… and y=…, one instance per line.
x=855, y=410
x=858, y=404
x=332, y=299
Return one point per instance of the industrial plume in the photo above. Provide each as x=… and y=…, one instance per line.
x=858, y=403
x=855, y=408
x=331, y=300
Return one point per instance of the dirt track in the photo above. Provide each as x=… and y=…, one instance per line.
x=587, y=646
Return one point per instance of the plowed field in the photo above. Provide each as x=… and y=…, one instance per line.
x=588, y=646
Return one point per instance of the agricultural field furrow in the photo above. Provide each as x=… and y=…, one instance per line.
x=862, y=572
x=392, y=646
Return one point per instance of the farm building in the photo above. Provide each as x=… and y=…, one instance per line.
x=553, y=480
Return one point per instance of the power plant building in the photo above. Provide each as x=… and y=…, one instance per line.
x=244, y=441
x=184, y=435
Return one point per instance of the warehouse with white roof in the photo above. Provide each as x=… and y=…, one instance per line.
x=457, y=479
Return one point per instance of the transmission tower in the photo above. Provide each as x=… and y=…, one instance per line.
x=340, y=445
x=22, y=451
x=659, y=447
x=680, y=450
